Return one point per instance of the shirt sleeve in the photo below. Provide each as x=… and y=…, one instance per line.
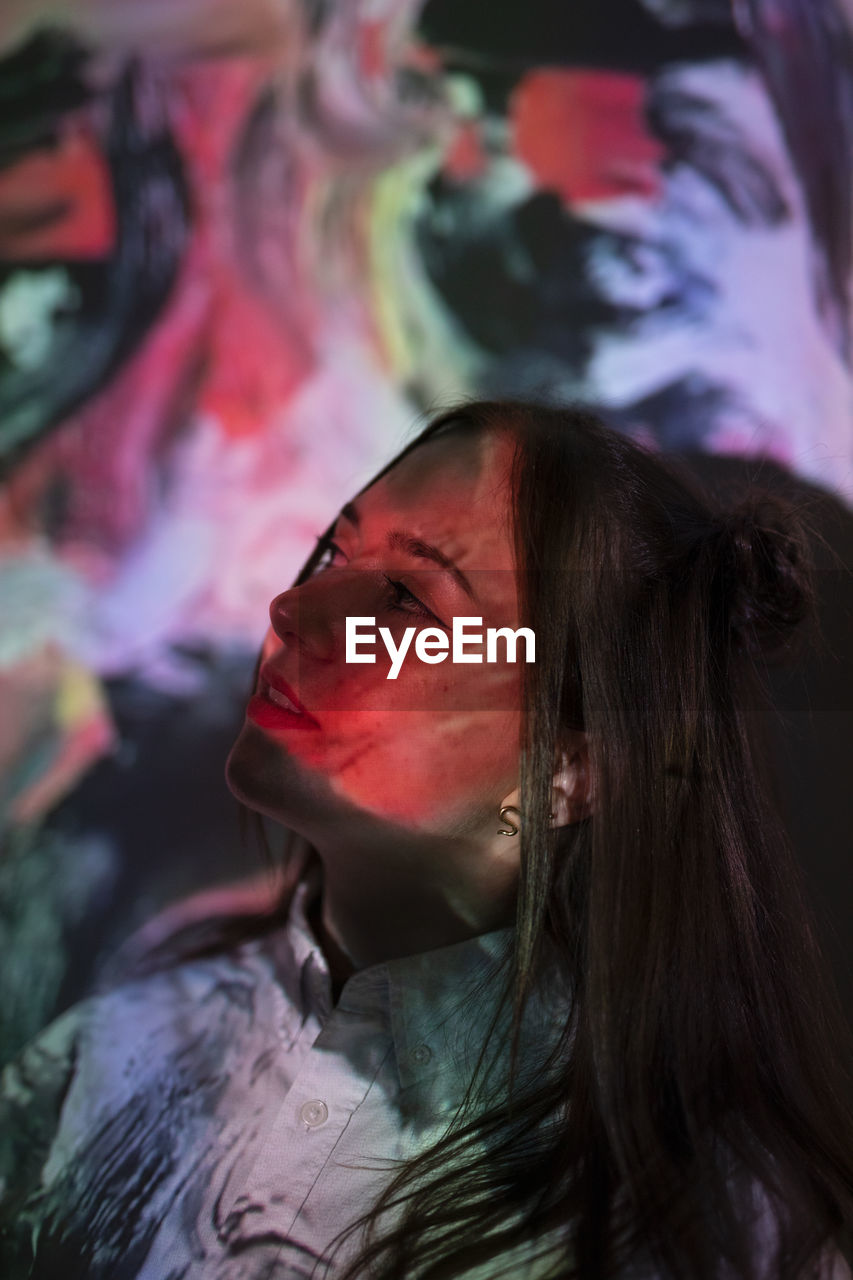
x=32, y=1090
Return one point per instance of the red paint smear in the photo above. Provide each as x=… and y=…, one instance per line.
x=65, y=189
x=583, y=134
x=466, y=157
x=372, y=59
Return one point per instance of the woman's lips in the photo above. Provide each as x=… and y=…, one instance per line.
x=281, y=699
x=276, y=705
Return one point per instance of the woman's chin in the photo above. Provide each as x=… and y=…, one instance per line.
x=253, y=774
x=277, y=783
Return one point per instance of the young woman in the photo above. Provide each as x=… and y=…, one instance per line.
x=539, y=996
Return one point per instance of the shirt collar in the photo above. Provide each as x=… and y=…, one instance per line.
x=440, y=1004
x=443, y=1001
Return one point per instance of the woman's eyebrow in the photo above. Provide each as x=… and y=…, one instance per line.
x=398, y=540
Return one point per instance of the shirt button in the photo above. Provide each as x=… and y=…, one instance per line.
x=421, y=1054
x=314, y=1113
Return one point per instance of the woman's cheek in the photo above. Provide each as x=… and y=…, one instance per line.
x=394, y=763
x=459, y=757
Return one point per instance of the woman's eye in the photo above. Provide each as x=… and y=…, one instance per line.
x=328, y=550
x=405, y=601
x=402, y=600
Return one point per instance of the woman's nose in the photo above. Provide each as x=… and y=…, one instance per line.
x=311, y=617
x=296, y=623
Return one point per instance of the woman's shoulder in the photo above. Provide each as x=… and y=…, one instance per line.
x=196, y=971
x=142, y=1030
x=211, y=922
x=155, y=1054
x=140, y=1018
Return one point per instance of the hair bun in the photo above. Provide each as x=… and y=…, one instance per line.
x=771, y=578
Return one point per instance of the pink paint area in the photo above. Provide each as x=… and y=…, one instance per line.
x=371, y=36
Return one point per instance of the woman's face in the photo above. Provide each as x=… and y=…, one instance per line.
x=435, y=749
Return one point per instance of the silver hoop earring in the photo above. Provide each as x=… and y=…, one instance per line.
x=512, y=830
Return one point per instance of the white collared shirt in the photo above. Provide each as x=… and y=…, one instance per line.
x=224, y=1120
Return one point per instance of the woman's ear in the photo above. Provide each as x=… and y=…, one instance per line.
x=572, y=792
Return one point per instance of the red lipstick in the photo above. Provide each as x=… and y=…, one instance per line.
x=275, y=705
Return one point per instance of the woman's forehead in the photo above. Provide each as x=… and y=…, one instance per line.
x=451, y=496
x=467, y=466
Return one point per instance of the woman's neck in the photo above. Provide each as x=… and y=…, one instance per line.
x=360, y=923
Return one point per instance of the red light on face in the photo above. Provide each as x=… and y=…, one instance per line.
x=394, y=746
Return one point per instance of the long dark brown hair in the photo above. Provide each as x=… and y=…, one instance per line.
x=695, y=1116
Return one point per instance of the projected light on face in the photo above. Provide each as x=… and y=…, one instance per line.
x=437, y=746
